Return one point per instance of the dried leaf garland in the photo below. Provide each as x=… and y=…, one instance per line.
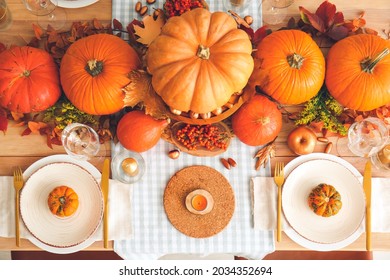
x=265, y=154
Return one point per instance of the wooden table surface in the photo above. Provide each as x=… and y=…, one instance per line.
x=24, y=150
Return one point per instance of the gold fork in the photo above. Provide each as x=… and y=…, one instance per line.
x=18, y=185
x=279, y=180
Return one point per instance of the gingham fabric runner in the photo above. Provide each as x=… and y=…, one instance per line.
x=153, y=234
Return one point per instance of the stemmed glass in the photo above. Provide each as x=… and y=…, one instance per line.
x=80, y=141
x=46, y=13
x=273, y=10
x=367, y=137
x=237, y=5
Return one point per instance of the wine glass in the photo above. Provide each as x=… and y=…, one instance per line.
x=5, y=16
x=367, y=137
x=274, y=12
x=80, y=141
x=47, y=13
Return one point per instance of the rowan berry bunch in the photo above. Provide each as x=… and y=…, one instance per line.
x=178, y=7
x=207, y=136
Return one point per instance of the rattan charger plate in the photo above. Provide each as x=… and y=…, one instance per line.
x=199, y=177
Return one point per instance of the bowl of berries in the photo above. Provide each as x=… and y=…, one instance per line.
x=201, y=140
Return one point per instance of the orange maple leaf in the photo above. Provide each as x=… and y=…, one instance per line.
x=151, y=29
x=36, y=126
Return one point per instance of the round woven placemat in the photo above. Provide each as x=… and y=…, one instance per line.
x=199, y=177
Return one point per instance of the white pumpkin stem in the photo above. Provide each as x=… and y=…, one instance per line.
x=203, y=52
x=368, y=65
x=295, y=60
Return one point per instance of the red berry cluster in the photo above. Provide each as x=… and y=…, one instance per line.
x=207, y=136
x=178, y=7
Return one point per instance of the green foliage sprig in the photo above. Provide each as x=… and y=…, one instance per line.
x=323, y=108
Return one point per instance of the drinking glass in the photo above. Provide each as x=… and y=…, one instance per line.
x=367, y=137
x=127, y=166
x=46, y=13
x=5, y=15
x=80, y=141
x=274, y=12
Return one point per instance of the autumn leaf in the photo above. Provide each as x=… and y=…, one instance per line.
x=38, y=31
x=140, y=91
x=2, y=47
x=3, y=120
x=35, y=127
x=117, y=24
x=152, y=28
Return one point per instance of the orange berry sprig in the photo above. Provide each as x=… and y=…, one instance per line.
x=207, y=136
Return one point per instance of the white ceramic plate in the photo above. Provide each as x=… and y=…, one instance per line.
x=75, y=3
x=61, y=235
x=345, y=239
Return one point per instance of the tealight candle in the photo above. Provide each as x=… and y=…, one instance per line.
x=199, y=202
x=130, y=166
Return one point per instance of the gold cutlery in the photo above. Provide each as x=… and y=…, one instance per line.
x=18, y=185
x=279, y=180
x=105, y=187
x=367, y=191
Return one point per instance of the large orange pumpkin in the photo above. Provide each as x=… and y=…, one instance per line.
x=199, y=60
x=29, y=80
x=358, y=72
x=94, y=71
x=257, y=122
x=289, y=66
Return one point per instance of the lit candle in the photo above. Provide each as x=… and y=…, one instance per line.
x=130, y=166
x=199, y=202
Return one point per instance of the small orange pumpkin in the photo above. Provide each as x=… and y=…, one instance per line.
x=289, y=66
x=139, y=132
x=63, y=201
x=358, y=72
x=257, y=122
x=325, y=200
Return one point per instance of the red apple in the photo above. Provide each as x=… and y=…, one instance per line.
x=302, y=140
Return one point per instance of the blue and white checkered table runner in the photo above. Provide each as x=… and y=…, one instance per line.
x=153, y=234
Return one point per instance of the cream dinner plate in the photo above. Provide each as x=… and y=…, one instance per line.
x=52, y=233
x=75, y=3
x=313, y=231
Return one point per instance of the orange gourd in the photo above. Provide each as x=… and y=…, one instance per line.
x=63, y=201
x=257, y=122
x=29, y=80
x=325, y=200
x=139, y=132
x=199, y=60
x=289, y=66
x=358, y=72
x=94, y=70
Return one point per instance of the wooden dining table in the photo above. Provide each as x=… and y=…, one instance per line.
x=18, y=150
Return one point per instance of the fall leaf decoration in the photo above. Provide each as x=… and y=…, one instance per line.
x=264, y=154
x=3, y=120
x=151, y=28
x=140, y=92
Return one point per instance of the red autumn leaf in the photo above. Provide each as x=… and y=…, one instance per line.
x=337, y=32
x=259, y=35
x=312, y=19
x=326, y=12
x=27, y=131
x=97, y=24
x=117, y=25
x=3, y=120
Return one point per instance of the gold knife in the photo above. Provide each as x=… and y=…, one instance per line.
x=104, y=186
x=367, y=191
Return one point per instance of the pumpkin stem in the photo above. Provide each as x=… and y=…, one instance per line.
x=94, y=67
x=295, y=60
x=26, y=73
x=62, y=200
x=263, y=120
x=368, y=64
x=203, y=52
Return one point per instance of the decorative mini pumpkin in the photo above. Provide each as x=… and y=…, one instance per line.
x=94, y=70
x=358, y=72
x=289, y=66
x=325, y=200
x=63, y=201
x=139, y=132
x=257, y=122
x=29, y=80
x=199, y=61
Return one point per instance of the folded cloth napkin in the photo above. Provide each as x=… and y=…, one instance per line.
x=264, y=196
x=119, y=199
